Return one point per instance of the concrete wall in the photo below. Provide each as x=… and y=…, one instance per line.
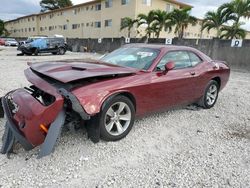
x=216, y=49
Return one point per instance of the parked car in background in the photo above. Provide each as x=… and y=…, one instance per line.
x=108, y=94
x=11, y=42
x=2, y=41
x=54, y=45
x=31, y=39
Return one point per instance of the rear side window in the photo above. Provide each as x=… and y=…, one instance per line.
x=195, y=60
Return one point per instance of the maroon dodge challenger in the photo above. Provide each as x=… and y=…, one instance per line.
x=107, y=94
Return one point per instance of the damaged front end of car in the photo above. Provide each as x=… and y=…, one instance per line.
x=35, y=115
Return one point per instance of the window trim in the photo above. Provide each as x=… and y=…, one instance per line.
x=109, y=3
x=126, y=2
x=202, y=60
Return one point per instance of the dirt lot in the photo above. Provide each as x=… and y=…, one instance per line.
x=178, y=148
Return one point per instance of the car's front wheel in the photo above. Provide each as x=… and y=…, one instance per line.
x=117, y=118
x=61, y=51
x=210, y=96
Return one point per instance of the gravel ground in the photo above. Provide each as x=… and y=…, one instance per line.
x=177, y=148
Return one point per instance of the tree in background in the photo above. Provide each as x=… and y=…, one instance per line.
x=147, y=20
x=181, y=18
x=237, y=8
x=3, y=31
x=47, y=5
x=128, y=23
x=162, y=20
x=234, y=31
x=215, y=20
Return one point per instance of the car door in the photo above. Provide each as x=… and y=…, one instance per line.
x=177, y=86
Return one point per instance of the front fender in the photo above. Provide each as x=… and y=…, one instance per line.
x=93, y=102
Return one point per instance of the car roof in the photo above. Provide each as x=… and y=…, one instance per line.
x=168, y=47
x=159, y=46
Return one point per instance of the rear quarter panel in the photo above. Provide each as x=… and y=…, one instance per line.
x=212, y=70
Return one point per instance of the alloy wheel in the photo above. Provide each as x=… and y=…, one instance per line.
x=117, y=118
x=212, y=93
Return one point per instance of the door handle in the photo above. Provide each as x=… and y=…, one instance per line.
x=192, y=73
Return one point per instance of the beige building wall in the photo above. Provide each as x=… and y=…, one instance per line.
x=87, y=21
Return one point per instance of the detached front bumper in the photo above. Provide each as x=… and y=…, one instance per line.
x=25, y=115
x=11, y=131
x=36, y=115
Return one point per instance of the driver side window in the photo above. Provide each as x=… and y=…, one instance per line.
x=180, y=58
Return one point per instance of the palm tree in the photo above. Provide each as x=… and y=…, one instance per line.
x=234, y=31
x=162, y=20
x=181, y=18
x=128, y=23
x=237, y=8
x=147, y=20
x=215, y=20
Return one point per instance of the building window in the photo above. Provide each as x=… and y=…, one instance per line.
x=75, y=11
x=147, y=2
x=98, y=7
x=108, y=23
x=125, y=2
x=74, y=26
x=169, y=7
x=108, y=3
x=51, y=28
x=34, y=29
x=87, y=24
x=65, y=27
x=97, y=24
x=87, y=8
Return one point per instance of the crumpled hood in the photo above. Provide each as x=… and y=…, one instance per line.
x=71, y=71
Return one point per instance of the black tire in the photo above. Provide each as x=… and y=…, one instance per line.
x=36, y=52
x=61, y=51
x=105, y=135
x=204, y=101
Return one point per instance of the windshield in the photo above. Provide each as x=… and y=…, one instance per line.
x=139, y=58
x=10, y=39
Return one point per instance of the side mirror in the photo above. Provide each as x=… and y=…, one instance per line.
x=169, y=66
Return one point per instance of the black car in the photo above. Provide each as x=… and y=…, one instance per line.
x=53, y=45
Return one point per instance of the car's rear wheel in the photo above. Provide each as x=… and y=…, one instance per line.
x=117, y=118
x=210, y=96
x=36, y=51
x=61, y=51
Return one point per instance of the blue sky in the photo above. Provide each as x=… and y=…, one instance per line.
x=16, y=8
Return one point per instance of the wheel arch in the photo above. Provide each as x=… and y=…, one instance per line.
x=218, y=80
x=127, y=94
